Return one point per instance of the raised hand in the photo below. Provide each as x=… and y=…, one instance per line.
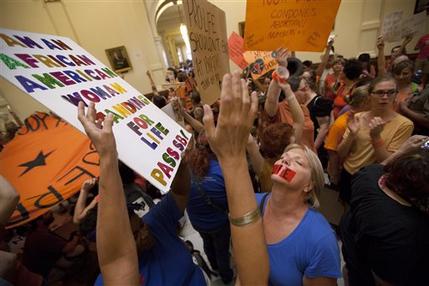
x=353, y=124
x=99, y=132
x=281, y=56
x=412, y=143
x=380, y=43
x=376, y=126
x=88, y=184
x=237, y=113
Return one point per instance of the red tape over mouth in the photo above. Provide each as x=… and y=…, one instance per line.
x=285, y=173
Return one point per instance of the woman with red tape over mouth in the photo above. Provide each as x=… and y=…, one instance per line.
x=301, y=244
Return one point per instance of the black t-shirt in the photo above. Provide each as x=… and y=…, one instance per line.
x=383, y=236
x=319, y=106
x=42, y=249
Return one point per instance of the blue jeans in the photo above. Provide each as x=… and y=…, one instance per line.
x=216, y=247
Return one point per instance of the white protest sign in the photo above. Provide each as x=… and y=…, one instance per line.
x=413, y=24
x=173, y=114
x=391, y=30
x=58, y=73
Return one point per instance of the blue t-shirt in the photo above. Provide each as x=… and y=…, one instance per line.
x=311, y=250
x=169, y=262
x=202, y=215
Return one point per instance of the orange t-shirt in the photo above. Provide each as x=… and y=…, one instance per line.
x=340, y=99
x=336, y=132
x=330, y=82
x=284, y=115
x=182, y=91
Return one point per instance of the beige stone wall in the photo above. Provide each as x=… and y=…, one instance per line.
x=99, y=24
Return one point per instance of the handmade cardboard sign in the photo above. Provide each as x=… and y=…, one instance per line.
x=207, y=34
x=236, y=50
x=59, y=74
x=295, y=24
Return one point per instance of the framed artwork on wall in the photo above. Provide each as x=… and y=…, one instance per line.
x=118, y=59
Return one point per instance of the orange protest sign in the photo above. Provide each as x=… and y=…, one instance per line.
x=46, y=163
x=299, y=25
x=236, y=50
x=260, y=63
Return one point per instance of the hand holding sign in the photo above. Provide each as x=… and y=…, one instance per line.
x=380, y=43
x=281, y=56
x=100, y=133
x=237, y=113
x=281, y=74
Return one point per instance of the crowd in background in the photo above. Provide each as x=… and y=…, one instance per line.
x=359, y=126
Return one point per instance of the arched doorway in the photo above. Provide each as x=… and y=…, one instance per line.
x=170, y=26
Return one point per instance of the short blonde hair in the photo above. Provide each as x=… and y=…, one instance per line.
x=317, y=177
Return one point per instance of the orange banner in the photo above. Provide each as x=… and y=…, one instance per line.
x=294, y=24
x=46, y=162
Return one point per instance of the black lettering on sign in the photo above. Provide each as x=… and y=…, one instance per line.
x=51, y=191
x=24, y=215
x=81, y=173
x=88, y=158
x=42, y=120
x=59, y=120
x=200, y=17
x=30, y=127
x=35, y=122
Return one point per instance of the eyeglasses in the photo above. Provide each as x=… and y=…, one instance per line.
x=381, y=93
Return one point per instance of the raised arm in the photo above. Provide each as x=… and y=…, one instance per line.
x=413, y=142
x=296, y=111
x=407, y=39
x=116, y=248
x=198, y=127
x=228, y=140
x=81, y=209
x=274, y=89
x=381, y=61
x=181, y=186
x=272, y=101
x=255, y=155
x=9, y=198
x=325, y=58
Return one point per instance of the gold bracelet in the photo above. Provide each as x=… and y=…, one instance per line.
x=246, y=219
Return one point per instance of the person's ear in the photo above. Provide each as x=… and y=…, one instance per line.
x=309, y=187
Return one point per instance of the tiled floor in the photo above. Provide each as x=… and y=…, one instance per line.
x=330, y=207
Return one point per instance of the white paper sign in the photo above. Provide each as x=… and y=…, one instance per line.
x=413, y=24
x=392, y=26
x=58, y=73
